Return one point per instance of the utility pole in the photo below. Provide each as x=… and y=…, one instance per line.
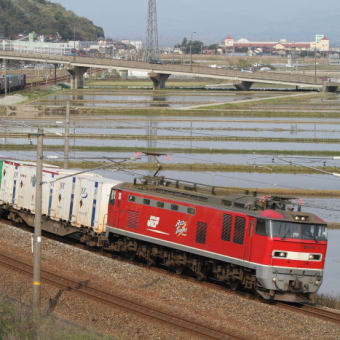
x=192, y=35
x=315, y=64
x=37, y=234
x=5, y=64
x=67, y=136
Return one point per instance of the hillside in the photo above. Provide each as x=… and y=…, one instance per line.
x=44, y=17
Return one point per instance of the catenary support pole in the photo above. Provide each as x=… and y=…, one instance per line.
x=55, y=73
x=67, y=136
x=37, y=233
x=6, y=89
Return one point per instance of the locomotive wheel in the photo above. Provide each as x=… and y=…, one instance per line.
x=179, y=270
x=234, y=285
x=131, y=256
x=200, y=277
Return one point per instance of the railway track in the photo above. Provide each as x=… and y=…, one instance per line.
x=312, y=311
x=83, y=288
x=317, y=312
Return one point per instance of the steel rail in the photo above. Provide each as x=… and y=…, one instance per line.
x=117, y=301
x=313, y=311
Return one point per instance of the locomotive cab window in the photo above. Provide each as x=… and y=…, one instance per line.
x=146, y=201
x=261, y=227
x=191, y=211
x=112, y=197
x=302, y=231
x=174, y=207
x=132, y=198
x=160, y=204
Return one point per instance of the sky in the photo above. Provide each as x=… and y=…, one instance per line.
x=212, y=20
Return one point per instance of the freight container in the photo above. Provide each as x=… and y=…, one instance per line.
x=62, y=202
x=19, y=181
x=9, y=181
x=24, y=196
x=91, y=202
x=64, y=191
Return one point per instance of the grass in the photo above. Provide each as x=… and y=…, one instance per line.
x=31, y=96
x=206, y=112
x=272, y=101
x=185, y=138
x=328, y=301
x=212, y=167
x=27, y=147
x=333, y=225
x=37, y=93
x=16, y=324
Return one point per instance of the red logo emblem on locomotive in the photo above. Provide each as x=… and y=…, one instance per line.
x=181, y=228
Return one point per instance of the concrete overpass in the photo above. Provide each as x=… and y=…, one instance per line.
x=159, y=73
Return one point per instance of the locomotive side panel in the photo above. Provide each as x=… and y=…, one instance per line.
x=198, y=229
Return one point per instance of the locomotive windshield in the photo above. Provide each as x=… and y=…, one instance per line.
x=316, y=232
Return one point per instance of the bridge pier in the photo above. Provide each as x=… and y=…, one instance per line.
x=159, y=80
x=77, y=77
x=329, y=88
x=242, y=85
x=124, y=74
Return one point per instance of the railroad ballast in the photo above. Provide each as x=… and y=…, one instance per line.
x=266, y=244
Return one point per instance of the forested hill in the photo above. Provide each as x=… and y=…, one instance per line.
x=44, y=17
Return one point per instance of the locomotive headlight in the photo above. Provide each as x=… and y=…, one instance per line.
x=281, y=254
x=314, y=257
x=317, y=282
x=274, y=279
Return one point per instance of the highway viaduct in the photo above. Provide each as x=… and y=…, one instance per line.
x=159, y=73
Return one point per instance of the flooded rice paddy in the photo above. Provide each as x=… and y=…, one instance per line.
x=148, y=99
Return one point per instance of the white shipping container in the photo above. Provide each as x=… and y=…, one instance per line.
x=10, y=180
x=91, y=202
x=64, y=192
x=49, y=177
x=26, y=188
x=62, y=204
x=24, y=197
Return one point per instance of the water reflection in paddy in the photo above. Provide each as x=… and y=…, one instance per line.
x=331, y=282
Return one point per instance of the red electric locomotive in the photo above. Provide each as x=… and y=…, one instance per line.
x=261, y=244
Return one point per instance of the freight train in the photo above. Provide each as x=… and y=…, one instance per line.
x=14, y=82
x=264, y=244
